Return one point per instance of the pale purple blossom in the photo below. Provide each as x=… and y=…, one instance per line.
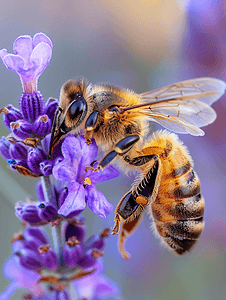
x=81, y=184
x=32, y=56
x=96, y=286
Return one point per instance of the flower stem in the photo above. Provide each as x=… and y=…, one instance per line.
x=48, y=190
x=49, y=194
x=72, y=291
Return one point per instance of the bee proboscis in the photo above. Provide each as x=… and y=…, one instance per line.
x=118, y=120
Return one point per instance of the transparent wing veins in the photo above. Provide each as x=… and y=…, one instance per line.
x=185, y=106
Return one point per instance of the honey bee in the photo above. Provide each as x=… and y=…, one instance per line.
x=170, y=185
x=118, y=120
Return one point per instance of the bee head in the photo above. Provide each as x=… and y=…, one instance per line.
x=71, y=111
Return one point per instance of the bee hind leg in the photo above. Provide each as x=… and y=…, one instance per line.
x=126, y=230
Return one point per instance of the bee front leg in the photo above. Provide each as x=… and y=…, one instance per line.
x=121, y=148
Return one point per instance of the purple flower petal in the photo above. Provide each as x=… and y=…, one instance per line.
x=5, y=148
x=61, y=196
x=97, y=202
x=75, y=230
x=72, y=254
x=75, y=200
x=40, y=57
x=105, y=287
x=89, y=151
x=62, y=171
x=3, y=53
x=13, y=271
x=39, y=192
x=21, y=128
x=36, y=233
x=71, y=149
x=23, y=47
x=30, y=259
x=14, y=63
x=41, y=37
x=108, y=173
x=90, y=286
x=87, y=260
x=31, y=58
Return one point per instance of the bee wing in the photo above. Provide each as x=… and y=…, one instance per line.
x=184, y=106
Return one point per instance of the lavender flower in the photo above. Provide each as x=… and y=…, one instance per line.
x=32, y=252
x=34, y=117
x=32, y=56
x=49, y=273
x=33, y=160
x=82, y=185
x=96, y=286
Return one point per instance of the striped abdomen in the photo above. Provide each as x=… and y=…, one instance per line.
x=179, y=207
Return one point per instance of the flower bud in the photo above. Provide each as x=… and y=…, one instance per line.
x=31, y=105
x=11, y=114
x=42, y=125
x=35, y=157
x=30, y=259
x=4, y=148
x=50, y=107
x=46, y=167
x=47, y=211
x=97, y=241
x=49, y=257
x=18, y=151
x=74, y=230
x=27, y=213
x=88, y=260
x=72, y=252
x=21, y=128
x=36, y=233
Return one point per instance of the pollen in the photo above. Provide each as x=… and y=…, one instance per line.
x=104, y=232
x=73, y=241
x=87, y=181
x=15, y=125
x=43, y=248
x=44, y=119
x=96, y=253
x=18, y=236
x=4, y=110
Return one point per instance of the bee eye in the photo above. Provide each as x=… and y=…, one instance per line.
x=77, y=109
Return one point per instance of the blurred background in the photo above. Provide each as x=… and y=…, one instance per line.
x=141, y=45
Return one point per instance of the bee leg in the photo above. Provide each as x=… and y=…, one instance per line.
x=116, y=227
x=121, y=148
x=126, y=230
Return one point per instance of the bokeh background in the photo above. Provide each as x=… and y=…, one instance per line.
x=141, y=45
